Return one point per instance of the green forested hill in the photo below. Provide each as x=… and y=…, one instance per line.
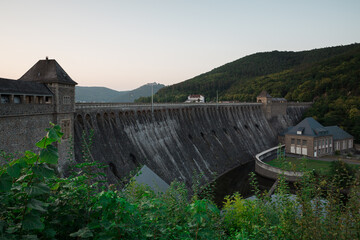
x=330, y=77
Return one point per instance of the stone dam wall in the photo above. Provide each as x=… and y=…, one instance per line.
x=176, y=141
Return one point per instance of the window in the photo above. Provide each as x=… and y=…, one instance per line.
x=5, y=98
x=292, y=141
x=298, y=141
x=48, y=100
x=39, y=99
x=292, y=149
x=300, y=131
x=66, y=100
x=65, y=128
x=17, y=99
x=350, y=143
x=304, y=151
x=29, y=99
x=304, y=142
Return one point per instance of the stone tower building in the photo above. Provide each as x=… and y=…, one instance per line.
x=45, y=93
x=272, y=106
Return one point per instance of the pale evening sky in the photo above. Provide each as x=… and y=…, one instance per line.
x=125, y=44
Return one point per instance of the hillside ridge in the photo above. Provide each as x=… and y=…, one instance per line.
x=328, y=76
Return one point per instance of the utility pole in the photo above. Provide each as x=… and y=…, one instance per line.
x=152, y=98
x=217, y=99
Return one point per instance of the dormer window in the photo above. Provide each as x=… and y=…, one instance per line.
x=300, y=131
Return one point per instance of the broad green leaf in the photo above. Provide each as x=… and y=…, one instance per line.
x=14, y=170
x=38, y=189
x=49, y=155
x=22, y=163
x=82, y=233
x=13, y=162
x=37, y=205
x=57, y=128
x=54, y=133
x=32, y=222
x=30, y=157
x=43, y=143
x=43, y=170
x=29, y=154
x=55, y=187
x=5, y=182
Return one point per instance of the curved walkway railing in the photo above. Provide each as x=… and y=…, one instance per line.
x=271, y=172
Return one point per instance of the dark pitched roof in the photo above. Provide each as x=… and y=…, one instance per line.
x=47, y=71
x=338, y=133
x=195, y=96
x=264, y=94
x=8, y=86
x=285, y=131
x=309, y=127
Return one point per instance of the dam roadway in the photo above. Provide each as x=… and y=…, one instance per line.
x=176, y=140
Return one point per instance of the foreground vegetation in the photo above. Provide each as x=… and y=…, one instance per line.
x=328, y=76
x=37, y=204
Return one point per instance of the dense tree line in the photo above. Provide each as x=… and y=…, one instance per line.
x=330, y=77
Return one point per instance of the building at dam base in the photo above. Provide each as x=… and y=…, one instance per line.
x=310, y=138
x=173, y=140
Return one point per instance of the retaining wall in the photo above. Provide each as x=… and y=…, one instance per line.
x=271, y=172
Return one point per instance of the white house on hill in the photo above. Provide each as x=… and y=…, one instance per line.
x=195, y=98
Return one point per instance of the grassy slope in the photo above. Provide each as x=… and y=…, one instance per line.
x=296, y=164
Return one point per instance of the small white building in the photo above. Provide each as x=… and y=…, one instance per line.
x=197, y=98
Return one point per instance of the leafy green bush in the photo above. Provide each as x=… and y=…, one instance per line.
x=342, y=174
x=37, y=204
x=317, y=211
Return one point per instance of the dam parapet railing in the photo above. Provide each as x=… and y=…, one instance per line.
x=271, y=172
x=80, y=106
x=295, y=104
